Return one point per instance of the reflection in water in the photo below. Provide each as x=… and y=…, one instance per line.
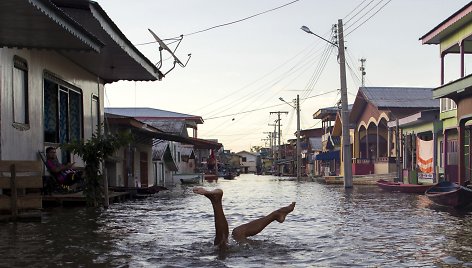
x=330, y=227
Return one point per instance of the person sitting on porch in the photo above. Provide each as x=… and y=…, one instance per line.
x=64, y=174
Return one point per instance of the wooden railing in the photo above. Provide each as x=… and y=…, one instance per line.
x=20, y=184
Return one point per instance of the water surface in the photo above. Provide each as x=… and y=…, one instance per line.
x=330, y=227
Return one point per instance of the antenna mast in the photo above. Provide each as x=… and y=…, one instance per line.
x=362, y=69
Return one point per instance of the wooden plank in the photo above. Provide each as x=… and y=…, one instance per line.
x=4, y=203
x=23, y=202
x=22, y=182
x=30, y=202
x=21, y=166
x=14, y=192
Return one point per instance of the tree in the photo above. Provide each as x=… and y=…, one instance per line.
x=94, y=151
x=256, y=149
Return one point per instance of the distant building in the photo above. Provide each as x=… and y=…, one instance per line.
x=248, y=162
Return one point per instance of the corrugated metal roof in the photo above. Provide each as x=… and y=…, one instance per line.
x=158, y=150
x=148, y=113
x=169, y=126
x=186, y=151
x=81, y=31
x=40, y=24
x=450, y=25
x=400, y=97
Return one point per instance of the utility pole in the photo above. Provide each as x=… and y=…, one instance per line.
x=299, y=163
x=274, y=140
x=362, y=69
x=265, y=140
x=280, y=134
x=346, y=136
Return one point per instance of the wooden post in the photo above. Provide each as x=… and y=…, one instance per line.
x=14, y=193
x=106, y=201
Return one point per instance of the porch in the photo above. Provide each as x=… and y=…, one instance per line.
x=379, y=165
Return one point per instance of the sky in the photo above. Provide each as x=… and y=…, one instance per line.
x=238, y=72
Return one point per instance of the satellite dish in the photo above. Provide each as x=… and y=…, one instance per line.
x=165, y=47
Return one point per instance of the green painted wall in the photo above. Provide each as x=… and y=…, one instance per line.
x=449, y=119
x=455, y=38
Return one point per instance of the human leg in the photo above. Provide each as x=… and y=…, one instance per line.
x=256, y=226
x=221, y=224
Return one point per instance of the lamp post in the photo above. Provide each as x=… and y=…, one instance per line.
x=346, y=137
x=297, y=107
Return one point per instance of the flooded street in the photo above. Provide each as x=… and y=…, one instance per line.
x=330, y=227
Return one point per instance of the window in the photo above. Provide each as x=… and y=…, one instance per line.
x=95, y=114
x=243, y=159
x=20, y=91
x=447, y=105
x=63, y=116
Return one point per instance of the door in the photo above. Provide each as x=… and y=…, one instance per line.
x=143, y=167
x=128, y=167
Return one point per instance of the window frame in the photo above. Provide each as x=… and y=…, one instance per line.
x=62, y=87
x=21, y=65
x=95, y=103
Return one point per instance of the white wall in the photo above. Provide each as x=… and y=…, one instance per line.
x=24, y=145
x=250, y=162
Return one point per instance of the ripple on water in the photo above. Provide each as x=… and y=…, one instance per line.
x=330, y=227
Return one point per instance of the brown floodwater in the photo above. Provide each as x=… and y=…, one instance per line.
x=330, y=227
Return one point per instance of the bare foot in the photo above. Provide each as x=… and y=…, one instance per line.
x=281, y=213
x=213, y=195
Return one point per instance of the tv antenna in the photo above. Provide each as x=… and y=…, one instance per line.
x=163, y=46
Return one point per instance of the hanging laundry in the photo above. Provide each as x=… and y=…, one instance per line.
x=424, y=155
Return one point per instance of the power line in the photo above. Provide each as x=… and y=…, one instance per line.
x=267, y=107
x=228, y=23
x=240, y=20
x=345, y=17
x=378, y=10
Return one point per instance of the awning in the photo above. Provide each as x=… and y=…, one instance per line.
x=145, y=132
x=79, y=30
x=326, y=156
x=169, y=160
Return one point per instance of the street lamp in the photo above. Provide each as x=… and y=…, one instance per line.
x=346, y=137
x=297, y=107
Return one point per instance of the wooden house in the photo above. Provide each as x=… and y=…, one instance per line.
x=133, y=165
x=56, y=57
x=454, y=35
x=172, y=154
x=419, y=136
x=327, y=161
x=374, y=107
x=309, y=146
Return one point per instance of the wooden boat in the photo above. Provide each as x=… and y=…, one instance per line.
x=189, y=178
x=228, y=176
x=211, y=177
x=450, y=194
x=403, y=187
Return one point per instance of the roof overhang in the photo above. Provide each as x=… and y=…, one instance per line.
x=79, y=30
x=143, y=131
x=326, y=113
x=119, y=59
x=42, y=25
x=449, y=26
x=422, y=117
x=455, y=90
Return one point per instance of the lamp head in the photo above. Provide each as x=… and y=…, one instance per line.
x=281, y=99
x=306, y=29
